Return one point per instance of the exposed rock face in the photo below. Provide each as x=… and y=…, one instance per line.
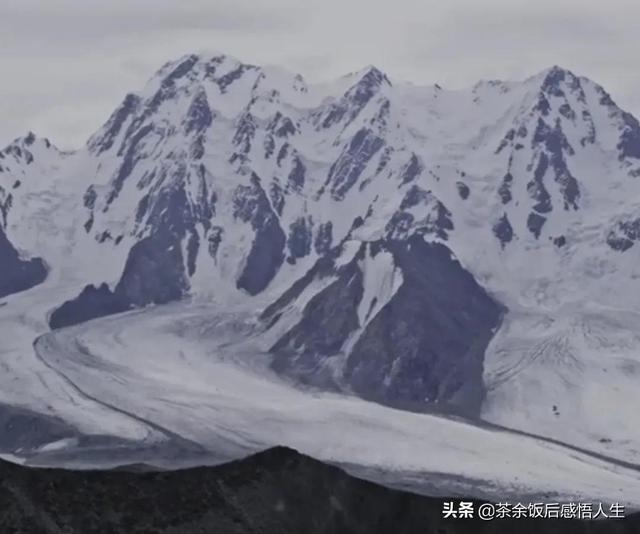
x=535, y=222
x=623, y=236
x=347, y=109
x=300, y=238
x=18, y=274
x=436, y=220
x=503, y=230
x=274, y=492
x=91, y=303
x=324, y=238
x=556, y=145
x=155, y=272
x=114, y=125
x=537, y=189
x=463, y=190
x=424, y=345
x=505, y=189
x=328, y=320
x=251, y=205
x=629, y=144
x=346, y=171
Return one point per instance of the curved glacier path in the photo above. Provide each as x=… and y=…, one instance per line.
x=193, y=374
x=171, y=449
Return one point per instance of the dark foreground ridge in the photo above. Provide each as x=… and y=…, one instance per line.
x=278, y=491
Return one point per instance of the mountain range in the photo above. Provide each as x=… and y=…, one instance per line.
x=235, y=239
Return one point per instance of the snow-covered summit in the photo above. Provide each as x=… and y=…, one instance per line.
x=526, y=160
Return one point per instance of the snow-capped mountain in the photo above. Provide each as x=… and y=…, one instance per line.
x=472, y=250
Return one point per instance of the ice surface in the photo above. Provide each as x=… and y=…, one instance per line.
x=203, y=374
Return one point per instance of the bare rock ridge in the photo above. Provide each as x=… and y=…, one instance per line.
x=277, y=491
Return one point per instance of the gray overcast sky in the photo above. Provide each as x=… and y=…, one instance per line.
x=66, y=64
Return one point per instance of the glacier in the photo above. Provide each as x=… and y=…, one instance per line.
x=411, y=281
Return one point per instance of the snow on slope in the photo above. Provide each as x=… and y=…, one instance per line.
x=227, y=183
x=572, y=375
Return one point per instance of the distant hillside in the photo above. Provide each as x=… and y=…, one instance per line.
x=278, y=491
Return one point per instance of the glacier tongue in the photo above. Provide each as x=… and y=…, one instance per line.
x=197, y=372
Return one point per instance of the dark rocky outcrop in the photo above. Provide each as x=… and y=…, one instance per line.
x=230, y=77
x=154, y=272
x=245, y=132
x=157, y=269
x=556, y=145
x=282, y=126
x=504, y=191
x=463, y=190
x=629, y=145
x=411, y=170
x=324, y=238
x=535, y=222
x=277, y=196
x=214, y=240
x=355, y=99
x=251, y=205
x=300, y=237
x=536, y=188
x=560, y=241
x=437, y=219
x=199, y=115
x=623, y=236
x=278, y=491
x=131, y=156
x=297, y=175
x=503, y=230
x=346, y=171
x=327, y=321
x=17, y=274
x=110, y=131
x=167, y=89
x=425, y=346
x=93, y=302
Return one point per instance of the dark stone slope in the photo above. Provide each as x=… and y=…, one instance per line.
x=423, y=348
x=427, y=344
x=17, y=274
x=154, y=272
x=275, y=492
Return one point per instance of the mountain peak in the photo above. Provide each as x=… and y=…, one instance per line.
x=371, y=75
x=219, y=68
x=556, y=80
x=30, y=139
x=557, y=71
x=25, y=147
